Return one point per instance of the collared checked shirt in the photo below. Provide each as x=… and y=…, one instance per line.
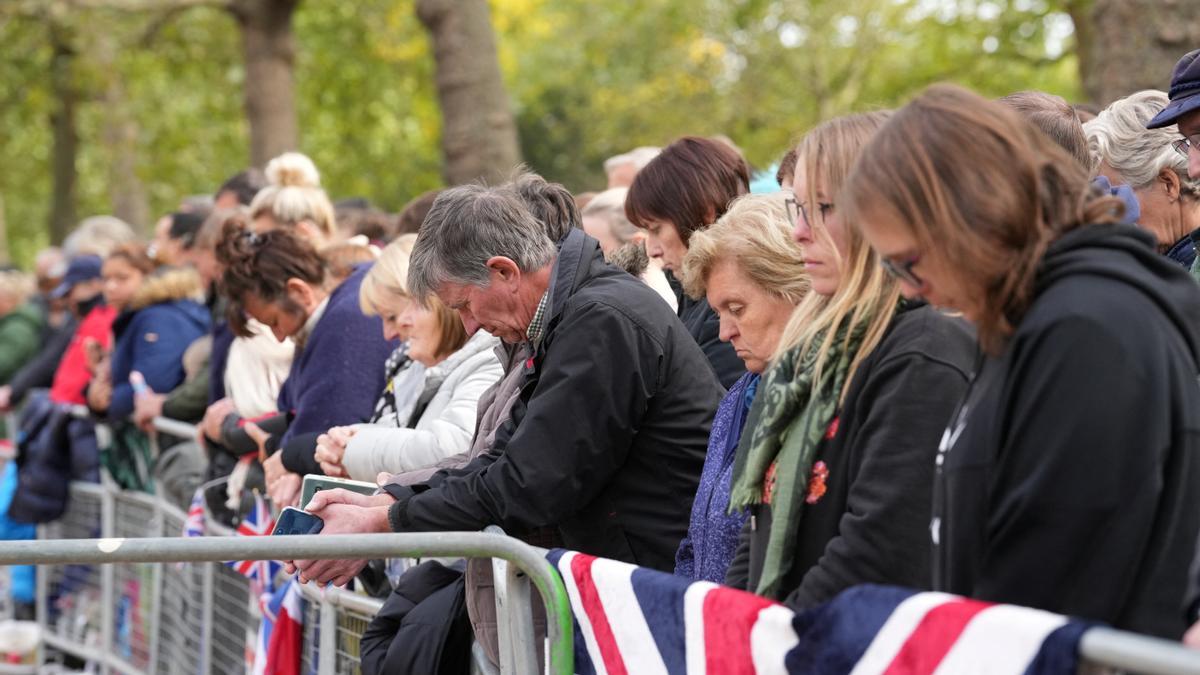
x=536, y=326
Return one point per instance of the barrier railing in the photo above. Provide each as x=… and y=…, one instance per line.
x=103, y=523
x=151, y=618
x=108, y=551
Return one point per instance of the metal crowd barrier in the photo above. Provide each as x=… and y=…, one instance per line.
x=200, y=617
x=203, y=617
x=107, y=551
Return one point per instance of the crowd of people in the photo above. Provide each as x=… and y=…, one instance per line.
x=957, y=348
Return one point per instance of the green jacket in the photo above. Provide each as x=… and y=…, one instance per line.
x=20, y=339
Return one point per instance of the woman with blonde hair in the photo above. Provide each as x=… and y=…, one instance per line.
x=293, y=198
x=427, y=410
x=1069, y=477
x=838, y=469
x=752, y=274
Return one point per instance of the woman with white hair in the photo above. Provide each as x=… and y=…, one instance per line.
x=1146, y=160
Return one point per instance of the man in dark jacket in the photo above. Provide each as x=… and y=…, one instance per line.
x=608, y=434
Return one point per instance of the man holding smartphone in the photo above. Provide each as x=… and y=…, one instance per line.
x=607, y=438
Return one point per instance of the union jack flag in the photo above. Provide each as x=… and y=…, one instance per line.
x=635, y=620
x=257, y=523
x=194, y=525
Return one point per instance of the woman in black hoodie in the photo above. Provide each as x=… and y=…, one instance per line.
x=1069, y=477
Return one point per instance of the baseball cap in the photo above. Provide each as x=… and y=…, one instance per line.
x=82, y=268
x=1184, y=93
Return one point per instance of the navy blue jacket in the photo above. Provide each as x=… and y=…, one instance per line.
x=152, y=339
x=337, y=376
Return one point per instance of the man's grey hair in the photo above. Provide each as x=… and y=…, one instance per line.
x=1119, y=136
x=639, y=157
x=550, y=203
x=467, y=226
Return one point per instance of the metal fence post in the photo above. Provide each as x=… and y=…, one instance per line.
x=519, y=615
x=504, y=629
x=206, y=614
x=327, y=651
x=41, y=609
x=156, y=585
x=107, y=582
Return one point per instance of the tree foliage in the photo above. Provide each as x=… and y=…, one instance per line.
x=586, y=81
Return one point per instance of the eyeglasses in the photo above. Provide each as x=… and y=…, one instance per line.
x=902, y=270
x=797, y=210
x=1187, y=142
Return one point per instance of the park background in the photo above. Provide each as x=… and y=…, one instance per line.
x=126, y=106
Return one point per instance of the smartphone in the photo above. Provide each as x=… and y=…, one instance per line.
x=314, y=483
x=294, y=521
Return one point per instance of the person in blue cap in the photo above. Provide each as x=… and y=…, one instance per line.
x=1184, y=109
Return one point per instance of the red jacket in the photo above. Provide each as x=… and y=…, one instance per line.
x=72, y=377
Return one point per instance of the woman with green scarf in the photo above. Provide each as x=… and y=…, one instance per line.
x=836, y=464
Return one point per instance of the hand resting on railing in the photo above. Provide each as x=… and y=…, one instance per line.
x=344, y=512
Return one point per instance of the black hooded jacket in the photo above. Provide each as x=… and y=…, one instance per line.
x=1069, y=480
x=608, y=434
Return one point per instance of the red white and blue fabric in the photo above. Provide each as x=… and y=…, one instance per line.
x=277, y=649
x=635, y=620
x=193, y=526
x=257, y=523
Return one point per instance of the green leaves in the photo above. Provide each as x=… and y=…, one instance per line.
x=587, y=81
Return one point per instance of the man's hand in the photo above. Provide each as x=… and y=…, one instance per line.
x=325, y=498
x=5, y=398
x=1192, y=637
x=210, y=426
x=146, y=408
x=285, y=490
x=331, y=447
x=344, y=512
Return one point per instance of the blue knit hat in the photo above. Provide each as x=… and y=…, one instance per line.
x=1185, y=91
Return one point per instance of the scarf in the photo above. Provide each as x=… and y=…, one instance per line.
x=787, y=422
x=386, y=405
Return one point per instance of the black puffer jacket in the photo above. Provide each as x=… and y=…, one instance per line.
x=1069, y=480
x=608, y=435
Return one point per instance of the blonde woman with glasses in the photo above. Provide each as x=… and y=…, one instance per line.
x=836, y=465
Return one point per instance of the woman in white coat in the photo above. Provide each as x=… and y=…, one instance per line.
x=427, y=411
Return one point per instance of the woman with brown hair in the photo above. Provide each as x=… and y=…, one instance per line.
x=684, y=189
x=279, y=279
x=836, y=461
x=1069, y=477
x=160, y=316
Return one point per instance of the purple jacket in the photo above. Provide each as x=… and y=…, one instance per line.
x=712, y=538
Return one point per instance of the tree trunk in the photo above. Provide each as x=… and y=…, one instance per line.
x=269, y=51
x=1134, y=45
x=479, y=135
x=5, y=258
x=125, y=189
x=66, y=140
